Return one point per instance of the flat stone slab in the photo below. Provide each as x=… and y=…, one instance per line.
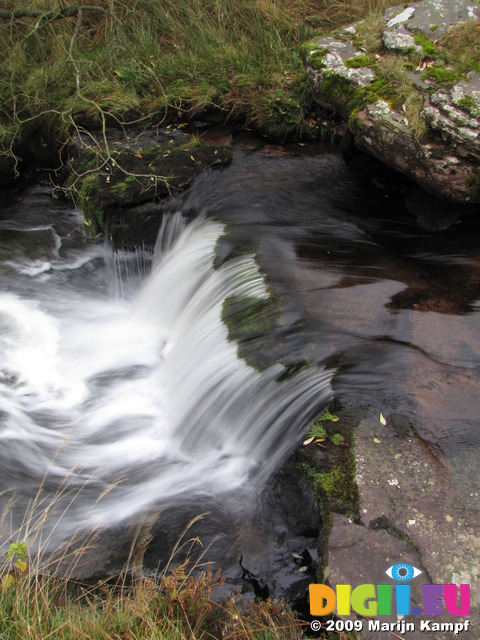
x=412, y=510
x=431, y=17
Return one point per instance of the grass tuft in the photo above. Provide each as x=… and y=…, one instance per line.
x=40, y=600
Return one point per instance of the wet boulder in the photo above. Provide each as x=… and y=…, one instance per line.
x=121, y=182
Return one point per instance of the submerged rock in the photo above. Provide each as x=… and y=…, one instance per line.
x=407, y=101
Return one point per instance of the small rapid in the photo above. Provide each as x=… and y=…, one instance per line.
x=140, y=387
x=140, y=397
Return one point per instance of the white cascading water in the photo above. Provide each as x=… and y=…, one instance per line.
x=146, y=390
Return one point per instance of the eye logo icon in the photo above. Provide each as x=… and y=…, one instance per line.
x=402, y=572
x=371, y=600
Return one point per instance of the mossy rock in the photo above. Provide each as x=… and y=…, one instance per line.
x=399, y=89
x=247, y=317
x=329, y=462
x=252, y=323
x=103, y=182
x=329, y=465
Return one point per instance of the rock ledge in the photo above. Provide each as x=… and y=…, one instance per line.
x=407, y=100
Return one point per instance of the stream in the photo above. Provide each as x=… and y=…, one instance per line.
x=122, y=396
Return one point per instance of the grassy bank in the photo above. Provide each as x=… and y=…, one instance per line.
x=66, y=65
x=177, y=606
x=40, y=597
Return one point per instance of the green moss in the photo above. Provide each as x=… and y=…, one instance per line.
x=428, y=46
x=313, y=54
x=101, y=182
x=336, y=487
x=87, y=192
x=442, y=74
x=121, y=187
x=469, y=105
x=337, y=439
x=358, y=62
x=340, y=93
x=333, y=473
x=434, y=27
x=248, y=317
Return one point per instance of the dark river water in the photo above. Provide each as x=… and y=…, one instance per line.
x=119, y=385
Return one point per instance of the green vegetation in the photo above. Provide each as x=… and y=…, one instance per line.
x=248, y=317
x=251, y=322
x=441, y=62
x=73, y=67
x=89, y=66
x=360, y=61
x=103, y=180
x=333, y=471
x=337, y=439
x=175, y=605
x=40, y=598
x=460, y=47
x=335, y=488
x=318, y=433
x=429, y=47
x=456, y=54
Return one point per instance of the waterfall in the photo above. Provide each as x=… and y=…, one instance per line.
x=144, y=398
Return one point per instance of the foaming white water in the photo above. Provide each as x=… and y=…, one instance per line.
x=148, y=390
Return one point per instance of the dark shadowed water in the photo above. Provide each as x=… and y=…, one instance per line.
x=116, y=373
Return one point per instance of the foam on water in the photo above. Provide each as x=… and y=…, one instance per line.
x=147, y=389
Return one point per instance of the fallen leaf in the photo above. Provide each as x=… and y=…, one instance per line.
x=309, y=440
x=8, y=581
x=377, y=441
x=382, y=419
x=21, y=565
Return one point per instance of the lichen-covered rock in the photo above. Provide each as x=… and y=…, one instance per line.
x=334, y=73
x=454, y=114
x=404, y=104
x=431, y=16
x=400, y=40
x=384, y=134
